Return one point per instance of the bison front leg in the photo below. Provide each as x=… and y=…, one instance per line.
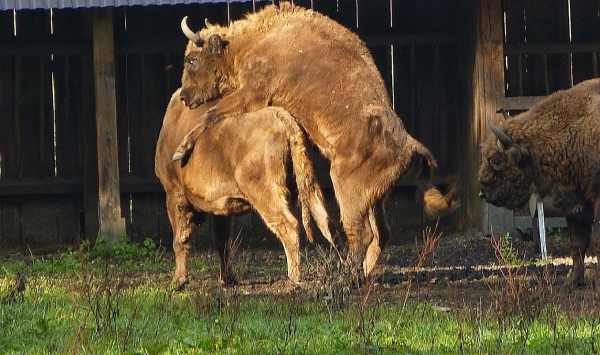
x=180, y=216
x=580, y=232
x=223, y=243
x=355, y=210
x=381, y=234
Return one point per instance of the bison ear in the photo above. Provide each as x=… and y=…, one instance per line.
x=216, y=45
x=523, y=156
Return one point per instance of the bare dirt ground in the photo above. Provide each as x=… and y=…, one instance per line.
x=462, y=270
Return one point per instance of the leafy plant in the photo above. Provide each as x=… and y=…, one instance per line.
x=123, y=248
x=505, y=251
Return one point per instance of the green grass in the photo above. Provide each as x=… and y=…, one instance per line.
x=80, y=303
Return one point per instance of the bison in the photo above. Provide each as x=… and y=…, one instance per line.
x=325, y=77
x=553, y=150
x=239, y=165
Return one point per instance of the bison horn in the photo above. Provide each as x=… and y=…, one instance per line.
x=191, y=35
x=207, y=24
x=504, y=114
x=503, y=138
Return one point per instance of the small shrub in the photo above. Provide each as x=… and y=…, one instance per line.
x=331, y=278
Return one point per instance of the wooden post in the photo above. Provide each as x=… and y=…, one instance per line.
x=111, y=224
x=489, y=71
x=482, y=80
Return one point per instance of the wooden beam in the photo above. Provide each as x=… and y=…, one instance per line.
x=109, y=202
x=518, y=102
x=551, y=48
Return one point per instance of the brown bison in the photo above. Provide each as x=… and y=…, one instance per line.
x=552, y=149
x=324, y=75
x=239, y=165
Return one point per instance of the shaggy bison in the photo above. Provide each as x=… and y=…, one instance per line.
x=324, y=75
x=240, y=165
x=554, y=150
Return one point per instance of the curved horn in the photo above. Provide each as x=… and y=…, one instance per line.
x=504, y=114
x=207, y=24
x=191, y=35
x=503, y=138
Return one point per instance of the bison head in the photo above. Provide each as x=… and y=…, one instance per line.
x=204, y=69
x=507, y=173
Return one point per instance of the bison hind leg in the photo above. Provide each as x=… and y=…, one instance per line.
x=227, y=248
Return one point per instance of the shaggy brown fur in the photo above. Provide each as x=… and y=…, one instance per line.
x=239, y=165
x=555, y=152
x=324, y=75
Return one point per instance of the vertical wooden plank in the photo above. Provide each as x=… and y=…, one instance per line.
x=11, y=222
x=86, y=110
x=435, y=16
x=427, y=94
x=490, y=70
x=35, y=125
x=68, y=123
x=515, y=33
x=342, y=11
x=559, y=64
x=69, y=228
x=67, y=91
x=403, y=12
x=9, y=212
x=405, y=86
x=109, y=202
x=585, y=26
x=373, y=16
x=39, y=221
x=480, y=27
x=145, y=206
x=538, y=29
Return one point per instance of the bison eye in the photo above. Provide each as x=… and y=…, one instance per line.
x=192, y=62
x=496, y=164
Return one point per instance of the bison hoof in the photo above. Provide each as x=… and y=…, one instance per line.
x=572, y=283
x=180, y=282
x=229, y=281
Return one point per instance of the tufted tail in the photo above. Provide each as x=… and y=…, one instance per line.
x=435, y=202
x=309, y=191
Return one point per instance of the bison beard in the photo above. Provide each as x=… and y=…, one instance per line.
x=239, y=165
x=324, y=75
x=551, y=149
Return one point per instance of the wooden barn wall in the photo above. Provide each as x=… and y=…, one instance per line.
x=546, y=50
x=48, y=166
x=40, y=129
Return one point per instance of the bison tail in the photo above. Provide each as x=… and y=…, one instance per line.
x=310, y=195
x=435, y=202
x=438, y=204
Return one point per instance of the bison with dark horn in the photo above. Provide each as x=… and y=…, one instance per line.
x=552, y=149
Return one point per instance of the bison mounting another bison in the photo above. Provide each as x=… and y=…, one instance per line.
x=554, y=150
x=325, y=77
